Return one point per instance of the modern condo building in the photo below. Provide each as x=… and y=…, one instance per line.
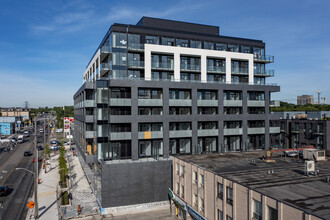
x=161, y=88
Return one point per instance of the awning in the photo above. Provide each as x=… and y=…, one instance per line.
x=176, y=199
x=194, y=213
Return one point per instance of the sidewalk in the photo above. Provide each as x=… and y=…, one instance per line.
x=47, y=192
x=81, y=191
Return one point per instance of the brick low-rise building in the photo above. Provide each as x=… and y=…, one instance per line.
x=242, y=186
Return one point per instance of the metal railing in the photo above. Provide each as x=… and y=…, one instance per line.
x=263, y=58
x=136, y=64
x=191, y=81
x=190, y=67
x=135, y=46
x=216, y=69
x=162, y=65
x=239, y=70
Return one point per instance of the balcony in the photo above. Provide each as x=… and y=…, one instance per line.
x=180, y=102
x=105, y=51
x=150, y=134
x=89, y=118
x=180, y=133
x=105, y=67
x=274, y=130
x=240, y=71
x=136, y=64
x=233, y=103
x=208, y=132
x=90, y=134
x=266, y=73
x=190, y=68
x=162, y=66
x=150, y=102
x=89, y=103
x=135, y=47
x=232, y=131
x=255, y=103
x=216, y=69
x=120, y=102
x=260, y=130
x=262, y=58
x=120, y=136
x=207, y=103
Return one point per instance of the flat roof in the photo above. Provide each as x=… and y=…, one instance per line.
x=287, y=184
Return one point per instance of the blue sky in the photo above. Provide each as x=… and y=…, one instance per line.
x=45, y=45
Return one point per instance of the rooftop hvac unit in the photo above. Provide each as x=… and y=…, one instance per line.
x=310, y=166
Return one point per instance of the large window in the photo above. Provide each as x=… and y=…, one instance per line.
x=232, y=95
x=207, y=95
x=152, y=40
x=119, y=40
x=195, y=178
x=179, y=94
x=256, y=96
x=150, y=111
x=180, y=111
x=208, y=125
x=220, y=190
x=271, y=213
x=168, y=41
x=201, y=180
x=181, y=43
x=207, y=110
x=150, y=127
x=208, y=45
x=229, y=195
x=257, y=210
x=232, y=110
x=134, y=41
x=117, y=150
x=195, y=44
x=220, y=215
x=120, y=110
x=120, y=92
x=120, y=128
x=144, y=93
x=177, y=126
x=152, y=148
x=180, y=146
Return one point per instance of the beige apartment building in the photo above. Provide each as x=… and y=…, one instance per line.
x=242, y=186
x=16, y=112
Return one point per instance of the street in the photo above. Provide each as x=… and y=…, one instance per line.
x=20, y=182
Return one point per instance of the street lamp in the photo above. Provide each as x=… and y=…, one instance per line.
x=19, y=168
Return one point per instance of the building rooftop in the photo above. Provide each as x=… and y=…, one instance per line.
x=287, y=184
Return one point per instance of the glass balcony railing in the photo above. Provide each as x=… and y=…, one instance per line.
x=239, y=70
x=136, y=64
x=135, y=46
x=264, y=72
x=190, y=67
x=263, y=58
x=192, y=81
x=216, y=69
x=105, y=66
x=162, y=66
x=105, y=49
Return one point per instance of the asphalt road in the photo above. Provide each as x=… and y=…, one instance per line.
x=20, y=182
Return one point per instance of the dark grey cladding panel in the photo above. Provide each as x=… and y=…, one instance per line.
x=86, y=85
x=135, y=183
x=178, y=26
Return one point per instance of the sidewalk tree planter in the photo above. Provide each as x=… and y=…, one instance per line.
x=63, y=168
x=65, y=198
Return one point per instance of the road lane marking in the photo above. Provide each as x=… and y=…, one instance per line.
x=11, y=171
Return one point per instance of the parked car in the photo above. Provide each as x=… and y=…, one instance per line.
x=13, y=139
x=4, y=190
x=27, y=153
x=3, y=136
x=53, y=147
x=40, y=147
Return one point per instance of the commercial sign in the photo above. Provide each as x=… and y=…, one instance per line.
x=67, y=123
x=194, y=214
x=5, y=128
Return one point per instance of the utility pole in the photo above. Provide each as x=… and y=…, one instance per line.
x=36, y=172
x=45, y=139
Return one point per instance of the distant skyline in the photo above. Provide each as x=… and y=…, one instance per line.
x=46, y=45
